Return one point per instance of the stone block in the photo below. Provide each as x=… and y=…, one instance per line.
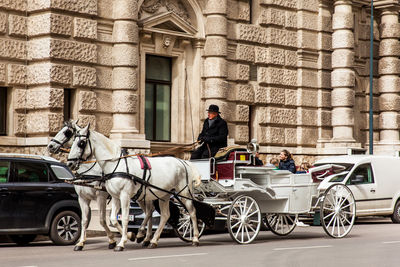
x=242, y=113
x=87, y=101
x=389, y=47
x=83, y=76
x=39, y=48
x=281, y=3
x=325, y=61
x=291, y=58
x=389, y=65
x=324, y=99
x=84, y=7
x=44, y=73
x=307, y=98
x=17, y=5
x=19, y=124
x=307, y=117
x=105, y=56
x=325, y=23
x=307, y=136
x=2, y=73
x=260, y=94
x=324, y=79
x=242, y=72
x=274, y=95
x=389, y=84
x=215, y=88
x=49, y=23
x=125, y=32
x=325, y=118
x=216, y=46
x=389, y=120
x=43, y=122
x=88, y=119
x=272, y=16
x=105, y=9
x=125, y=55
x=216, y=7
x=85, y=28
x=16, y=74
x=124, y=78
x=390, y=30
x=245, y=53
x=104, y=123
x=280, y=37
x=215, y=67
x=232, y=11
x=272, y=115
x=307, y=78
x=343, y=78
x=270, y=75
x=241, y=134
x=232, y=31
x=216, y=25
x=309, y=5
x=44, y=97
x=104, y=77
x=17, y=25
x=104, y=100
x=12, y=49
x=291, y=97
x=71, y=50
x=307, y=20
x=290, y=136
x=389, y=102
x=125, y=9
x=343, y=97
x=291, y=19
x=243, y=11
x=325, y=41
x=19, y=97
x=269, y=56
x=343, y=116
x=342, y=20
x=271, y=135
x=307, y=40
x=3, y=23
x=251, y=33
x=343, y=39
x=125, y=101
x=244, y=93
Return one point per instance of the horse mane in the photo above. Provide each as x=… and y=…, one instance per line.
x=112, y=150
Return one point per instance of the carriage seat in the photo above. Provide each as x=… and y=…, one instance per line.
x=223, y=165
x=225, y=153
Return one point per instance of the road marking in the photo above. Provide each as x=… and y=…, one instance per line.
x=391, y=242
x=167, y=256
x=302, y=247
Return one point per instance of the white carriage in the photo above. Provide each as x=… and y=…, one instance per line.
x=244, y=195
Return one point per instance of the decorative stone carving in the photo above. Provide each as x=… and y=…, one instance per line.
x=175, y=6
x=84, y=76
x=85, y=28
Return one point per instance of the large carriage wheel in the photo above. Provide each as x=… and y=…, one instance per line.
x=184, y=230
x=338, y=210
x=244, y=219
x=281, y=224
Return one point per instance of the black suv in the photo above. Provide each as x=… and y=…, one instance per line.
x=35, y=200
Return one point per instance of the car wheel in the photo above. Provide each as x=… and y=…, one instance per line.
x=396, y=213
x=22, y=240
x=65, y=228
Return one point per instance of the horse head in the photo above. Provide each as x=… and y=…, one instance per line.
x=81, y=148
x=63, y=137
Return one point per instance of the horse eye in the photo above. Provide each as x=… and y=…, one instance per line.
x=82, y=144
x=68, y=133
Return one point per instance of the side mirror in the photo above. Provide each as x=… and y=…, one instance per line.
x=359, y=178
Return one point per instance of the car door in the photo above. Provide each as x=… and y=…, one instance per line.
x=363, y=188
x=33, y=193
x=6, y=197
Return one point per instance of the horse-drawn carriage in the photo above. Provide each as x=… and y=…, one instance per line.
x=236, y=190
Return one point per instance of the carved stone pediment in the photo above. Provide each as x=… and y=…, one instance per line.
x=168, y=23
x=150, y=7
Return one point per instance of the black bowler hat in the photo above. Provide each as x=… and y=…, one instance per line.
x=213, y=108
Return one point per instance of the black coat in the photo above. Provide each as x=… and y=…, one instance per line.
x=215, y=136
x=288, y=165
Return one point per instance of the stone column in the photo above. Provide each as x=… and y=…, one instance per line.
x=342, y=77
x=389, y=81
x=216, y=49
x=125, y=75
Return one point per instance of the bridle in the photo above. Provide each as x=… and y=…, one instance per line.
x=68, y=135
x=82, y=145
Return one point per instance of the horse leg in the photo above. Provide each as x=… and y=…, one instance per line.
x=102, y=202
x=85, y=208
x=147, y=207
x=164, y=209
x=124, y=201
x=149, y=210
x=192, y=212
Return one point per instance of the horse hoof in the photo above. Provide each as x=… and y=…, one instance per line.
x=139, y=239
x=78, y=248
x=133, y=237
x=195, y=244
x=112, y=245
x=145, y=244
x=153, y=245
x=118, y=249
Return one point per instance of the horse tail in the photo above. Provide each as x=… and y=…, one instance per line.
x=196, y=177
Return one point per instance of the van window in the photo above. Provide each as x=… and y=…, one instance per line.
x=366, y=171
x=31, y=172
x=4, y=170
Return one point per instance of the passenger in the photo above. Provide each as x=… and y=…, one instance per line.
x=273, y=163
x=304, y=167
x=213, y=136
x=286, y=161
x=257, y=160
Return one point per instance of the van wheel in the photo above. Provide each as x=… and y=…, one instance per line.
x=22, y=240
x=396, y=213
x=65, y=228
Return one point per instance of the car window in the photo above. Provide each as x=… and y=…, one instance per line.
x=4, y=171
x=366, y=171
x=61, y=172
x=31, y=172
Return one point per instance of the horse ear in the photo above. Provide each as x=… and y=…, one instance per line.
x=86, y=129
x=75, y=125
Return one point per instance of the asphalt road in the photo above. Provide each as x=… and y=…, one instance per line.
x=368, y=244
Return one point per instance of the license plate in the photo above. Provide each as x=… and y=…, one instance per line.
x=131, y=217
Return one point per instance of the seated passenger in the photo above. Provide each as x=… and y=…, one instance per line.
x=257, y=160
x=286, y=161
x=304, y=167
x=213, y=136
x=273, y=163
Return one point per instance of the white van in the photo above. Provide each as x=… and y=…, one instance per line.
x=374, y=181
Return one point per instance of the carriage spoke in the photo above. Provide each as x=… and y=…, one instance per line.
x=240, y=227
x=247, y=233
x=332, y=219
x=348, y=205
x=236, y=224
x=249, y=209
x=333, y=226
x=330, y=214
x=252, y=213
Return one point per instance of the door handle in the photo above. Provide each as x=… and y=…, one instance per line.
x=4, y=191
x=51, y=189
x=372, y=190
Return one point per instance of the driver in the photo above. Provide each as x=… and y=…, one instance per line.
x=213, y=136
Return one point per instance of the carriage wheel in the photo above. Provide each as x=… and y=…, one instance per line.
x=338, y=210
x=281, y=224
x=185, y=226
x=244, y=219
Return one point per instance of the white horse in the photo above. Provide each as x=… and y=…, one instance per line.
x=125, y=179
x=86, y=193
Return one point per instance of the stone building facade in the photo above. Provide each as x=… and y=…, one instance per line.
x=290, y=73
